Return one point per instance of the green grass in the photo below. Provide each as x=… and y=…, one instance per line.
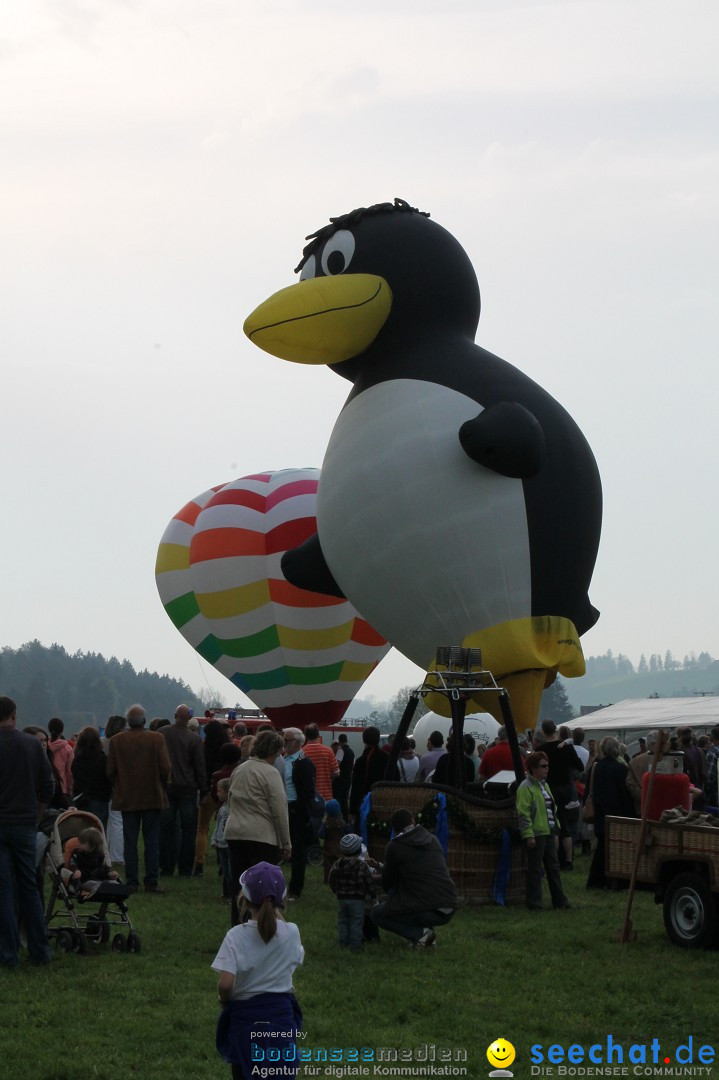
x=531, y=978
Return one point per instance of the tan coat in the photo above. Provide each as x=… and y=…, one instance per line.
x=139, y=768
x=637, y=767
x=258, y=805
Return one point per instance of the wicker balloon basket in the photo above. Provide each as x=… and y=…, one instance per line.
x=475, y=836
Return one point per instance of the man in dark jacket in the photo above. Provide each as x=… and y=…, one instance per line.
x=369, y=768
x=421, y=894
x=26, y=787
x=188, y=786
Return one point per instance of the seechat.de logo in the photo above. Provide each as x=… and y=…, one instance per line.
x=500, y=1054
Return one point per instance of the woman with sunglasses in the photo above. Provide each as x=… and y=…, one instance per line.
x=537, y=812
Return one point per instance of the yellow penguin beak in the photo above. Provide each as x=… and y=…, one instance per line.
x=322, y=320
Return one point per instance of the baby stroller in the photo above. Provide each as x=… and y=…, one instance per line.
x=68, y=916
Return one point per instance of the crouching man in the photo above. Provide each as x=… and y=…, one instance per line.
x=421, y=894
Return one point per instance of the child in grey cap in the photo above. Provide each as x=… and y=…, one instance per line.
x=352, y=883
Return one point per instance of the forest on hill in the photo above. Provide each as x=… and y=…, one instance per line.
x=83, y=688
x=611, y=678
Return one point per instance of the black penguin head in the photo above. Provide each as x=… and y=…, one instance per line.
x=368, y=281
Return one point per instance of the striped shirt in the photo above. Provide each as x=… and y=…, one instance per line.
x=325, y=764
x=548, y=803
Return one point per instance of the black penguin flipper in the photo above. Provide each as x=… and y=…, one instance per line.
x=506, y=438
x=306, y=568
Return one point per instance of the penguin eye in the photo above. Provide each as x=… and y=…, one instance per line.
x=309, y=270
x=338, y=252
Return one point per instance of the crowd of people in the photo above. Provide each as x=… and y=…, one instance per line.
x=270, y=792
x=273, y=793
x=564, y=776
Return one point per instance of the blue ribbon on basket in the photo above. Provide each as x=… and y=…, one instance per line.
x=364, y=814
x=501, y=876
x=441, y=829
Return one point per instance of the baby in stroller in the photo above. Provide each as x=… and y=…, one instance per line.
x=87, y=867
x=87, y=900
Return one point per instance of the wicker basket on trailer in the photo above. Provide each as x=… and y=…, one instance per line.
x=664, y=843
x=475, y=835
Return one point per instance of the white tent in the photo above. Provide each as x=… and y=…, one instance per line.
x=634, y=717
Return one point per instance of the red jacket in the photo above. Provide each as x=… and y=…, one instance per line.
x=495, y=759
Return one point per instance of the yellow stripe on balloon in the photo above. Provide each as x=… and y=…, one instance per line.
x=172, y=557
x=311, y=640
x=226, y=603
x=355, y=672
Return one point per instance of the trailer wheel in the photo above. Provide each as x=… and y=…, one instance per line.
x=690, y=916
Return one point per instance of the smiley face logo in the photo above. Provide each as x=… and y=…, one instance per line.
x=500, y=1054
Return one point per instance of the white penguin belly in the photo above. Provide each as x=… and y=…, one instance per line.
x=425, y=543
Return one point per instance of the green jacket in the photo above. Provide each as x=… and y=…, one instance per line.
x=532, y=809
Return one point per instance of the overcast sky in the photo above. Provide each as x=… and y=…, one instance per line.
x=162, y=162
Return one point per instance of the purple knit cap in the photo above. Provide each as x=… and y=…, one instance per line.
x=261, y=881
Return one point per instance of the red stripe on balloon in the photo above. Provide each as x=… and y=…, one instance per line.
x=363, y=634
x=264, y=476
x=290, y=534
x=225, y=544
x=324, y=713
x=253, y=500
x=289, y=491
x=281, y=592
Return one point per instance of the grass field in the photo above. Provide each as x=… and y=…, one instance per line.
x=542, y=978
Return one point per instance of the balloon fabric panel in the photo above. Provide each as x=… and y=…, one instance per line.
x=298, y=655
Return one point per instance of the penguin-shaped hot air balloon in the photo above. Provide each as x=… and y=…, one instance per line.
x=459, y=503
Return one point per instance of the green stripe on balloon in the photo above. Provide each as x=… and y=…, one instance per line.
x=252, y=645
x=182, y=609
x=284, y=676
x=209, y=649
x=309, y=676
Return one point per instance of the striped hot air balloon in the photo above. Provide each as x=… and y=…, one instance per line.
x=299, y=656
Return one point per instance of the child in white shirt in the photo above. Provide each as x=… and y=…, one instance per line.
x=255, y=964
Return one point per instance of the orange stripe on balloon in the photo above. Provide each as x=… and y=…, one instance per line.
x=225, y=544
x=190, y=513
x=363, y=634
x=281, y=592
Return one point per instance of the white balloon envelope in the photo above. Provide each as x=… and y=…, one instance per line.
x=481, y=726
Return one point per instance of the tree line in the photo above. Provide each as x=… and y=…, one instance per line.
x=604, y=667
x=83, y=688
